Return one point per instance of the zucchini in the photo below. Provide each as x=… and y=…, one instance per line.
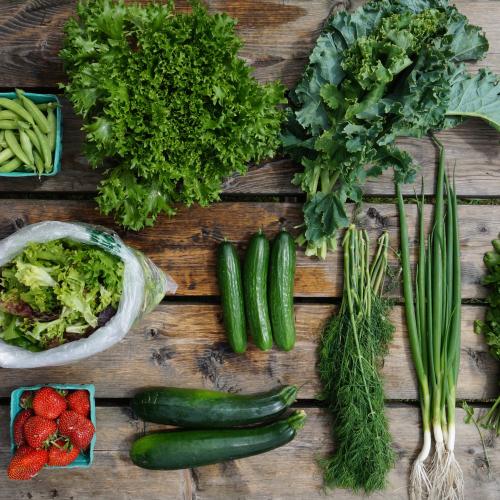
x=202, y=408
x=193, y=448
x=231, y=290
x=281, y=281
x=255, y=288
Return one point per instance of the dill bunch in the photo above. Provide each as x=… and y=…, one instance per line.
x=352, y=347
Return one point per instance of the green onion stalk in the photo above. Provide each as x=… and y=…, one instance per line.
x=434, y=320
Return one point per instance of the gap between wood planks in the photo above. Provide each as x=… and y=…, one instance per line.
x=299, y=404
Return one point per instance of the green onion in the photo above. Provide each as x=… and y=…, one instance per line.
x=434, y=321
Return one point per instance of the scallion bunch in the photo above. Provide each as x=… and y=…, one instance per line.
x=433, y=319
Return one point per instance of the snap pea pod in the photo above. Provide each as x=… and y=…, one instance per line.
x=3, y=143
x=23, y=125
x=5, y=155
x=38, y=163
x=14, y=106
x=14, y=164
x=34, y=111
x=51, y=119
x=43, y=106
x=8, y=115
x=34, y=140
x=8, y=125
x=26, y=146
x=45, y=146
x=15, y=146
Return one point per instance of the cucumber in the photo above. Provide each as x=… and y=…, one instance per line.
x=281, y=281
x=201, y=408
x=231, y=290
x=193, y=448
x=255, y=272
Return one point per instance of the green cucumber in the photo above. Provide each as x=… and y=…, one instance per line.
x=184, y=449
x=281, y=281
x=255, y=272
x=231, y=290
x=200, y=408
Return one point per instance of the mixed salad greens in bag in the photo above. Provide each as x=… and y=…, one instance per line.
x=57, y=292
x=68, y=291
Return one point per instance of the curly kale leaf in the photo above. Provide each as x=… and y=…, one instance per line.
x=384, y=71
x=476, y=96
x=168, y=106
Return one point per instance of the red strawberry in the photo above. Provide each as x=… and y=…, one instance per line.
x=79, y=401
x=62, y=453
x=27, y=463
x=38, y=431
x=19, y=422
x=48, y=403
x=26, y=400
x=80, y=430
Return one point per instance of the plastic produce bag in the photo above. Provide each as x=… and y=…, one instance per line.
x=144, y=286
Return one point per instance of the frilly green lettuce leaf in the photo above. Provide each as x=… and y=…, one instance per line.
x=168, y=105
x=57, y=291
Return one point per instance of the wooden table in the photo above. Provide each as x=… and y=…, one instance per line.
x=182, y=343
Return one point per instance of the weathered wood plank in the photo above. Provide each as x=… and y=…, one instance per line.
x=185, y=246
x=278, y=35
x=185, y=344
x=472, y=150
x=288, y=472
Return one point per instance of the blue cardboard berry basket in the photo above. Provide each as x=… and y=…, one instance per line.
x=85, y=459
x=42, y=99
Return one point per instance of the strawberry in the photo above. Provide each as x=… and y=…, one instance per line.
x=19, y=422
x=26, y=400
x=38, y=431
x=62, y=453
x=48, y=403
x=79, y=401
x=78, y=429
x=27, y=463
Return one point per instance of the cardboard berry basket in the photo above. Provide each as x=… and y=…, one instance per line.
x=85, y=459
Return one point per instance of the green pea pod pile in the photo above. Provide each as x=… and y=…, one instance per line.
x=27, y=135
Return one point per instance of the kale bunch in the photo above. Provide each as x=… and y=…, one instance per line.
x=168, y=106
x=392, y=68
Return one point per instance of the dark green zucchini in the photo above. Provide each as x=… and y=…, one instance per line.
x=193, y=448
x=202, y=408
x=255, y=288
x=231, y=290
x=281, y=282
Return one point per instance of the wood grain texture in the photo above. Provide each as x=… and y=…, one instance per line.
x=472, y=151
x=278, y=35
x=185, y=344
x=288, y=472
x=185, y=246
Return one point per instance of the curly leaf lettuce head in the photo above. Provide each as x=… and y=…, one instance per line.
x=169, y=108
x=391, y=68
